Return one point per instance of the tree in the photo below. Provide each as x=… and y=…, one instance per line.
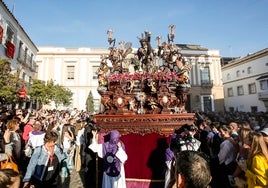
x=61, y=95
x=46, y=92
x=10, y=83
x=90, y=103
x=39, y=91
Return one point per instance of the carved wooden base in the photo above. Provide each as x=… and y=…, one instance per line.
x=164, y=124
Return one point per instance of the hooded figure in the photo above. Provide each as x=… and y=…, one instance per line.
x=114, y=155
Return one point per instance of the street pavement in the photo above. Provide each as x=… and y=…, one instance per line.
x=75, y=180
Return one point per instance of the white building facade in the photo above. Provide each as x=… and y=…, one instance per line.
x=245, y=83
x=72, y=68
x=75, y=69
x=16, y=46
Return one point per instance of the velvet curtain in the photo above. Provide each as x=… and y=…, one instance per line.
x=145, y=167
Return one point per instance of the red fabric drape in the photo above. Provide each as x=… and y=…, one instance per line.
x=1, y=34
x=146, y=159
x=10, y=49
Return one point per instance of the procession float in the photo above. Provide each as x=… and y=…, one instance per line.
x=143, y=96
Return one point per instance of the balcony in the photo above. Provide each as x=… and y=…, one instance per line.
x=207, y=83
x=26, y=61
x=263, y=96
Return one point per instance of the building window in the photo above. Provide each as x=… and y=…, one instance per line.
x=207, y=104
x=24, y=76
x=205, y=77
x=240, y=90
x=228, y=76
x=10, y=34
x=70, y=72
x=37, y=71
x=231, y=109
x=249, y=70
x=252, y=88
x=264, y=84
x=254, y=109
x=20, y=52
x=230, y=92
x=26, y=55
x=238, y=74
x=95, y=75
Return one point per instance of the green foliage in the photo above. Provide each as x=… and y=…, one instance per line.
x=10, y=83
x=61, y=95
x=40, y=91
x=90, y=103
x=48, y=92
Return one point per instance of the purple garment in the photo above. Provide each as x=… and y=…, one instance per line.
x=109, y=149
x=114, y=137
x=38, y=132
x=169, y=154
x=111, y=145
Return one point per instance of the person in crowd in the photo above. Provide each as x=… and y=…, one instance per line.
x=244, y=124
x=170, y=159
x=45, y=164
x=80, y=144
x=114, y=155
x=264, y=133
x=92, y=160
x=239, y=175
x=65, y=119
x=68, y=146
x=214, y=141
x=8, y=146
x=202, y=135
x=28, y=128
x=20, y=115
x=227, y=156
x=36, y=138
x=183, y=139
x=234, y=128
x=15, y=138
x=256, y=170
x=192, y=170
x=254, y=124
x=9, y=178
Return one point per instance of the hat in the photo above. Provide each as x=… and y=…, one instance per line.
x=265, y=131
x=114, y=136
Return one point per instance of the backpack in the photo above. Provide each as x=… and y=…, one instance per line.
x=216, y=142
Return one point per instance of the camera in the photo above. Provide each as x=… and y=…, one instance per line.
x=181, y=138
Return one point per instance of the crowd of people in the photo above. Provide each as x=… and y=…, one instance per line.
x=230, y=149
x=237, y=151
x=45, y=144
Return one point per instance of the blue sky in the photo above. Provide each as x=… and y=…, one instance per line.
x=235, y=27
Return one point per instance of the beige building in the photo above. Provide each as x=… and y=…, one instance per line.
x=245, y=82
x=206, y=92
x=75, y=68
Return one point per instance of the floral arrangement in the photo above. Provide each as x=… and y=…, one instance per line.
x=158, y=76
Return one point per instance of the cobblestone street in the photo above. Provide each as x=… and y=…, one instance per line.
x=75, y=180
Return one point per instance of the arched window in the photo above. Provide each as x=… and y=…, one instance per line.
x=228, y=76
x=249, y=70
x=238, y=74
